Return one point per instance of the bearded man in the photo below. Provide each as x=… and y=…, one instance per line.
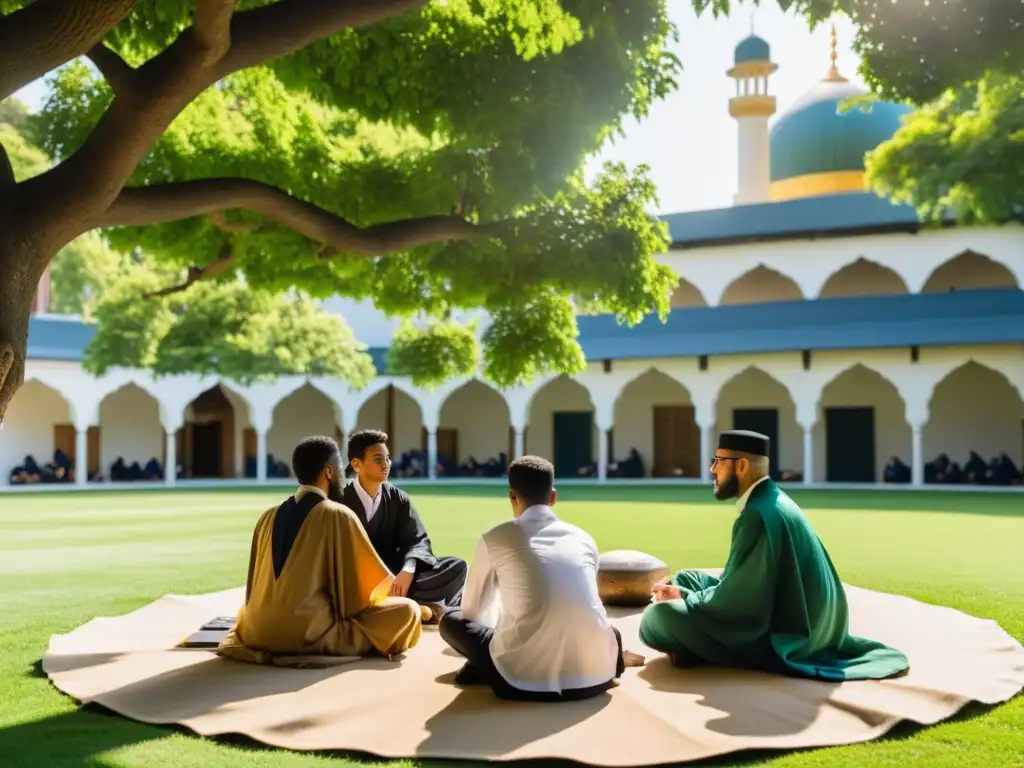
x=779, y=605
x=316, y=586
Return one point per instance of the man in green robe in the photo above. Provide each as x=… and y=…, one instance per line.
x=779, y=605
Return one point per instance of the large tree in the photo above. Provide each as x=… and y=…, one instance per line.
x=425, y=155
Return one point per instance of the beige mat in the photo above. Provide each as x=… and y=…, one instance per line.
x=408, y=707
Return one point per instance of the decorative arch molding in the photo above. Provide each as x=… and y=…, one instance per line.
x=771, y=275
x=889, y=374
x=852, y=261
x=377, y=386
x=1012, y=263
x=323, y=386
x=1013, y=374
x=49, y=382
x=712, y=277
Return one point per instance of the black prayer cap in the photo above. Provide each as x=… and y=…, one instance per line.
x=744, y=441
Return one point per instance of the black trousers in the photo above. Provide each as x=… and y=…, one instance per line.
x=442, y=583
x=473, y=641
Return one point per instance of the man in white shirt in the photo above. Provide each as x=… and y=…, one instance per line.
x=551, y=639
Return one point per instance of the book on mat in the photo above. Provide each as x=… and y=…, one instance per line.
x=210, y=634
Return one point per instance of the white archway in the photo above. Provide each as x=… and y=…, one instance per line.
x=761, y=285
x=130, y=434
x=969, y=271
x=862, y=424
x=39, y=422
x=863, y=277
x=395, y=410
x=216, y=439
x=654, y=414
x=557, y=428
x=754, y=399
x=687, y=295
x=474, y=430
x=975, y=408
x=304, y=412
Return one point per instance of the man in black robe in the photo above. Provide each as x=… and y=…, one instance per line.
x=396, y=531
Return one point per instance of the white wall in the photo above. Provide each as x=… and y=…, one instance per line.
x=861, y=387
x=634, y=413
x=28, y=428
x=130, y=428
x=407, y=429
x=481, y=416
x=304, y=413
x=560, y=394
x=975, y=408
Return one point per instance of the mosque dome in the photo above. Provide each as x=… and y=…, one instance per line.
x=817, y=147
x=752, y=48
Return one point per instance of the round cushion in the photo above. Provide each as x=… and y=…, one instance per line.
x=627, y=577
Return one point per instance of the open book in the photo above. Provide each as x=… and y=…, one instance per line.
x=210, y=634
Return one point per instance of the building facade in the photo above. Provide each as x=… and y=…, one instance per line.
x=810, y=310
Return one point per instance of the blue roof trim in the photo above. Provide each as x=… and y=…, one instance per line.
x=825, y=216
x=962, y=317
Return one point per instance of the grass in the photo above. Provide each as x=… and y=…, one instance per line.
x=65, y=558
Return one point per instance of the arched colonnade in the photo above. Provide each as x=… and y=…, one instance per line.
x=832, y=418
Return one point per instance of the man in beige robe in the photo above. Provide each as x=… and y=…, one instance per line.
x=316, y=586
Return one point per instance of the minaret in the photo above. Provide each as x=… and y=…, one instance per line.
x=752, y=106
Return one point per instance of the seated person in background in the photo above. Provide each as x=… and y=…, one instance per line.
x=779, y=605
x=315, y=584
x=976, y=470
x=396, y=531
x=551, y=640
x=896, y=471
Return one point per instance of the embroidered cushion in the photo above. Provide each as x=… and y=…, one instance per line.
x=626, y=576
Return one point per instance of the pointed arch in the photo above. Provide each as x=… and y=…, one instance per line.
x=686, y=295
x=654, y=415
x=863, y=277
x=561, y=425
x=216, y=437
x=474, y=434
x=862, y=424
x=393, y=406
x=975, y=407
x=970, y=271
x=760, y=285
x=305, y=411
x=40, y=421
x=753, y=398
x=130, y=430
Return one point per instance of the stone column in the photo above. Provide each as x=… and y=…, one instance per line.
x=517, y=443
x=81, y=454
x=432, y=452
x=917, y=456
x=602, y=453
x=707, y=450
x=808, y=454
x=261, y=454
x=171, y=456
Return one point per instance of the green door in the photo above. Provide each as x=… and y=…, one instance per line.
x=573, y=439
x=850, y=445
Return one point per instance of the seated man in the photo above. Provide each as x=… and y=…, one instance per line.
x=551, y=640
x=779, y=605
x=316, y=586
x=396, y=531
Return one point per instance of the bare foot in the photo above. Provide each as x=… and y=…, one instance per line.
x=631, y=659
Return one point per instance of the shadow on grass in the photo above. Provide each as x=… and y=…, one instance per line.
x=78, y=739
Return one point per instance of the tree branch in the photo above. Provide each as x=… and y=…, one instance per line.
x=218, y=220
x=142, y=206
x=212, y=27
x=275, y=30
x=218, y=266
x=119, y=76
x=48, y=33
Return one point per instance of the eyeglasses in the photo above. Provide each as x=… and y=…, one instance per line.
x=716, y=459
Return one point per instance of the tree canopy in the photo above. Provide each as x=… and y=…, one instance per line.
x=425, y=155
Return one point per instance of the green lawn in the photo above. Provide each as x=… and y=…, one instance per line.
x=66, y=558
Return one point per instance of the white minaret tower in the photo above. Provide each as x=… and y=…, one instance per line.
x=752, y=106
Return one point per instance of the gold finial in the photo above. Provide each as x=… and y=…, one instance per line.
x=833, y=71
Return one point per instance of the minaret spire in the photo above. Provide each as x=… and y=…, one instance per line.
x=833, y=75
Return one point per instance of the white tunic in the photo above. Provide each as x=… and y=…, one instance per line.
x=551, y=632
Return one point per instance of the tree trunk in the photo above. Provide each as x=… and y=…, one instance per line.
x=20, y=270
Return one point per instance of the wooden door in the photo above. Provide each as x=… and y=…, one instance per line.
x=850, y=444
x=574, y=441
x=676, y=441
x=448, y=445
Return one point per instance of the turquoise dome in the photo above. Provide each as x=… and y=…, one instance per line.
x=814, y=136
x=752, y=48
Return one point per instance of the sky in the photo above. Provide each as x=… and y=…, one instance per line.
x=688, y=139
